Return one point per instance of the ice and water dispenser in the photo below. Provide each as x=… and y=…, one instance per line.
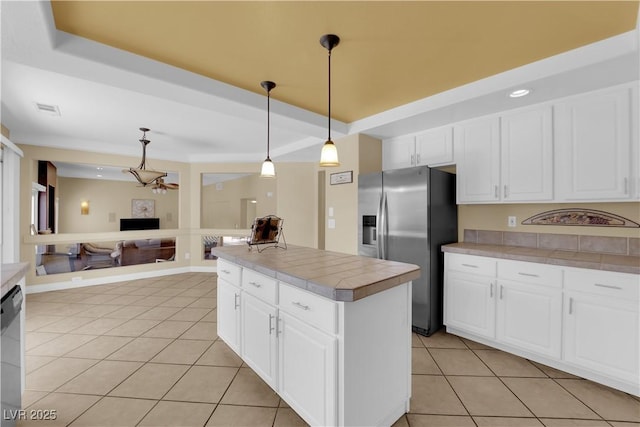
x=368, y=229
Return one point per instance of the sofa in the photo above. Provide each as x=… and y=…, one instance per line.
x=144, y=251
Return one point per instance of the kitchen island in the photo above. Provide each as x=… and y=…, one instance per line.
x=329, y=332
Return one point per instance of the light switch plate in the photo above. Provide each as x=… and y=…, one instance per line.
x=511, y=221
x=330, y=211
x=331, y=223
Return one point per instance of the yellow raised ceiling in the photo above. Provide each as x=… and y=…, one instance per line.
x=391, y=52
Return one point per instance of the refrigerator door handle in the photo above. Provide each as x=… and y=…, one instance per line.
x=384, y=226
x=379, y=229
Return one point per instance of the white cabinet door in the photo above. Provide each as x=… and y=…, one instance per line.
x=477, y=145
x=398, y=153
x=308, y=371
x=593, y=146
x=228, y=311
x=601, y=334
x=530, y=317
x=435, y=147
x=527, y=155
x=259, y=341
x=470, y=303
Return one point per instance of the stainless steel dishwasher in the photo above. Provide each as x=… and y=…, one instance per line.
x=11, y=305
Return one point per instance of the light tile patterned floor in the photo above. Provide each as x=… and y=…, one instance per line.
x=146, y=353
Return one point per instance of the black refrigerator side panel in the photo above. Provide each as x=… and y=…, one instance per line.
x=443, y=229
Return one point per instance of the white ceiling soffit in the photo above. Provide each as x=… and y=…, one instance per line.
x=197, y=119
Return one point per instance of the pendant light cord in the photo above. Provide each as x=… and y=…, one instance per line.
x=329, y=116
x=268, y=120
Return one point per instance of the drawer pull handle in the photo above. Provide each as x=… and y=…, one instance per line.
x=495, y=191
x=501, y=287
x=607, y=286
x=528, y=274
x=491, y=290
x=271, y=328
x=570, y=305
x=257, y=285
x=226, y=271
x=470, y=265
x=236, y=301
x=300, y=305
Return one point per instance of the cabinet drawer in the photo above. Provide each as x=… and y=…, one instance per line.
x=259, y=285
x=471, y=264
x=229, y=271
x=313, y=309
x=530, y=272
x=618, y=285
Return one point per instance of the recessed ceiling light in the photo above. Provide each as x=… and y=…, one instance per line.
x=99, y=176
x=519, y=92
x=99, y=168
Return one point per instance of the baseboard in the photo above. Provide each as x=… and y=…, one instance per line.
x=71, y=284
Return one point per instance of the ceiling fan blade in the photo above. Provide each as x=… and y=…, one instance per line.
x=171, y=186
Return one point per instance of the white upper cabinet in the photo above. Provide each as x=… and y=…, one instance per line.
x=594, y=146
x=432, y=148
x=398, y=153
x=527, y=155
x=435, y=147
x=477, y=145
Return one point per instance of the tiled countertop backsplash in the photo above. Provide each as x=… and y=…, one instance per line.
x=565, y=242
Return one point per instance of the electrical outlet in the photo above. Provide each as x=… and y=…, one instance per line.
x=187, y=255
x=511, y=222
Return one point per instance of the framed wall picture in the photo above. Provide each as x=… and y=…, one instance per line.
x=341, y=178
x=143, y=208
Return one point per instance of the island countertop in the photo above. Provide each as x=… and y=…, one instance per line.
x=334, y=275
x=11, y=275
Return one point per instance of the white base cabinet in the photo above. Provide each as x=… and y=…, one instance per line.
x=308, y=371
x=228, y=314
x=335, y=363
x=585, y=322
x=259, y=341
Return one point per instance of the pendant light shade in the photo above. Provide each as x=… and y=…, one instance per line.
x=268, y=169
x=329, y=153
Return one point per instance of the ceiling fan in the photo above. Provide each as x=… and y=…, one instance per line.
x=161, y=187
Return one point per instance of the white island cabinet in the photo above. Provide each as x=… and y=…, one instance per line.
x=337, y=350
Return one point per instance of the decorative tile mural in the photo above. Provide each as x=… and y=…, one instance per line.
x=584, y=217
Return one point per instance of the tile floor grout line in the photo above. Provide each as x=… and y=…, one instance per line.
x=508, y=388
x=451, y=386
x=577, y=398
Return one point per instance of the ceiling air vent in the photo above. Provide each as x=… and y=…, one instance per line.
x=51, y=110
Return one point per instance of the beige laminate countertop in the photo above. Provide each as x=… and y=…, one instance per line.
x=333, y=275
x=596, y=261
x=11, y=275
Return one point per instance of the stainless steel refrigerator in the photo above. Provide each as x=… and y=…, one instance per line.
x=407, y=215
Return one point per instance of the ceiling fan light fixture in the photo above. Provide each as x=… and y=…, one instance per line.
x=143, y=175
x=268, y=169
x=329, y=153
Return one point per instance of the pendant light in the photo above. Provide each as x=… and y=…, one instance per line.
x=268, y=169
x=141, y=173
x=329, y=154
